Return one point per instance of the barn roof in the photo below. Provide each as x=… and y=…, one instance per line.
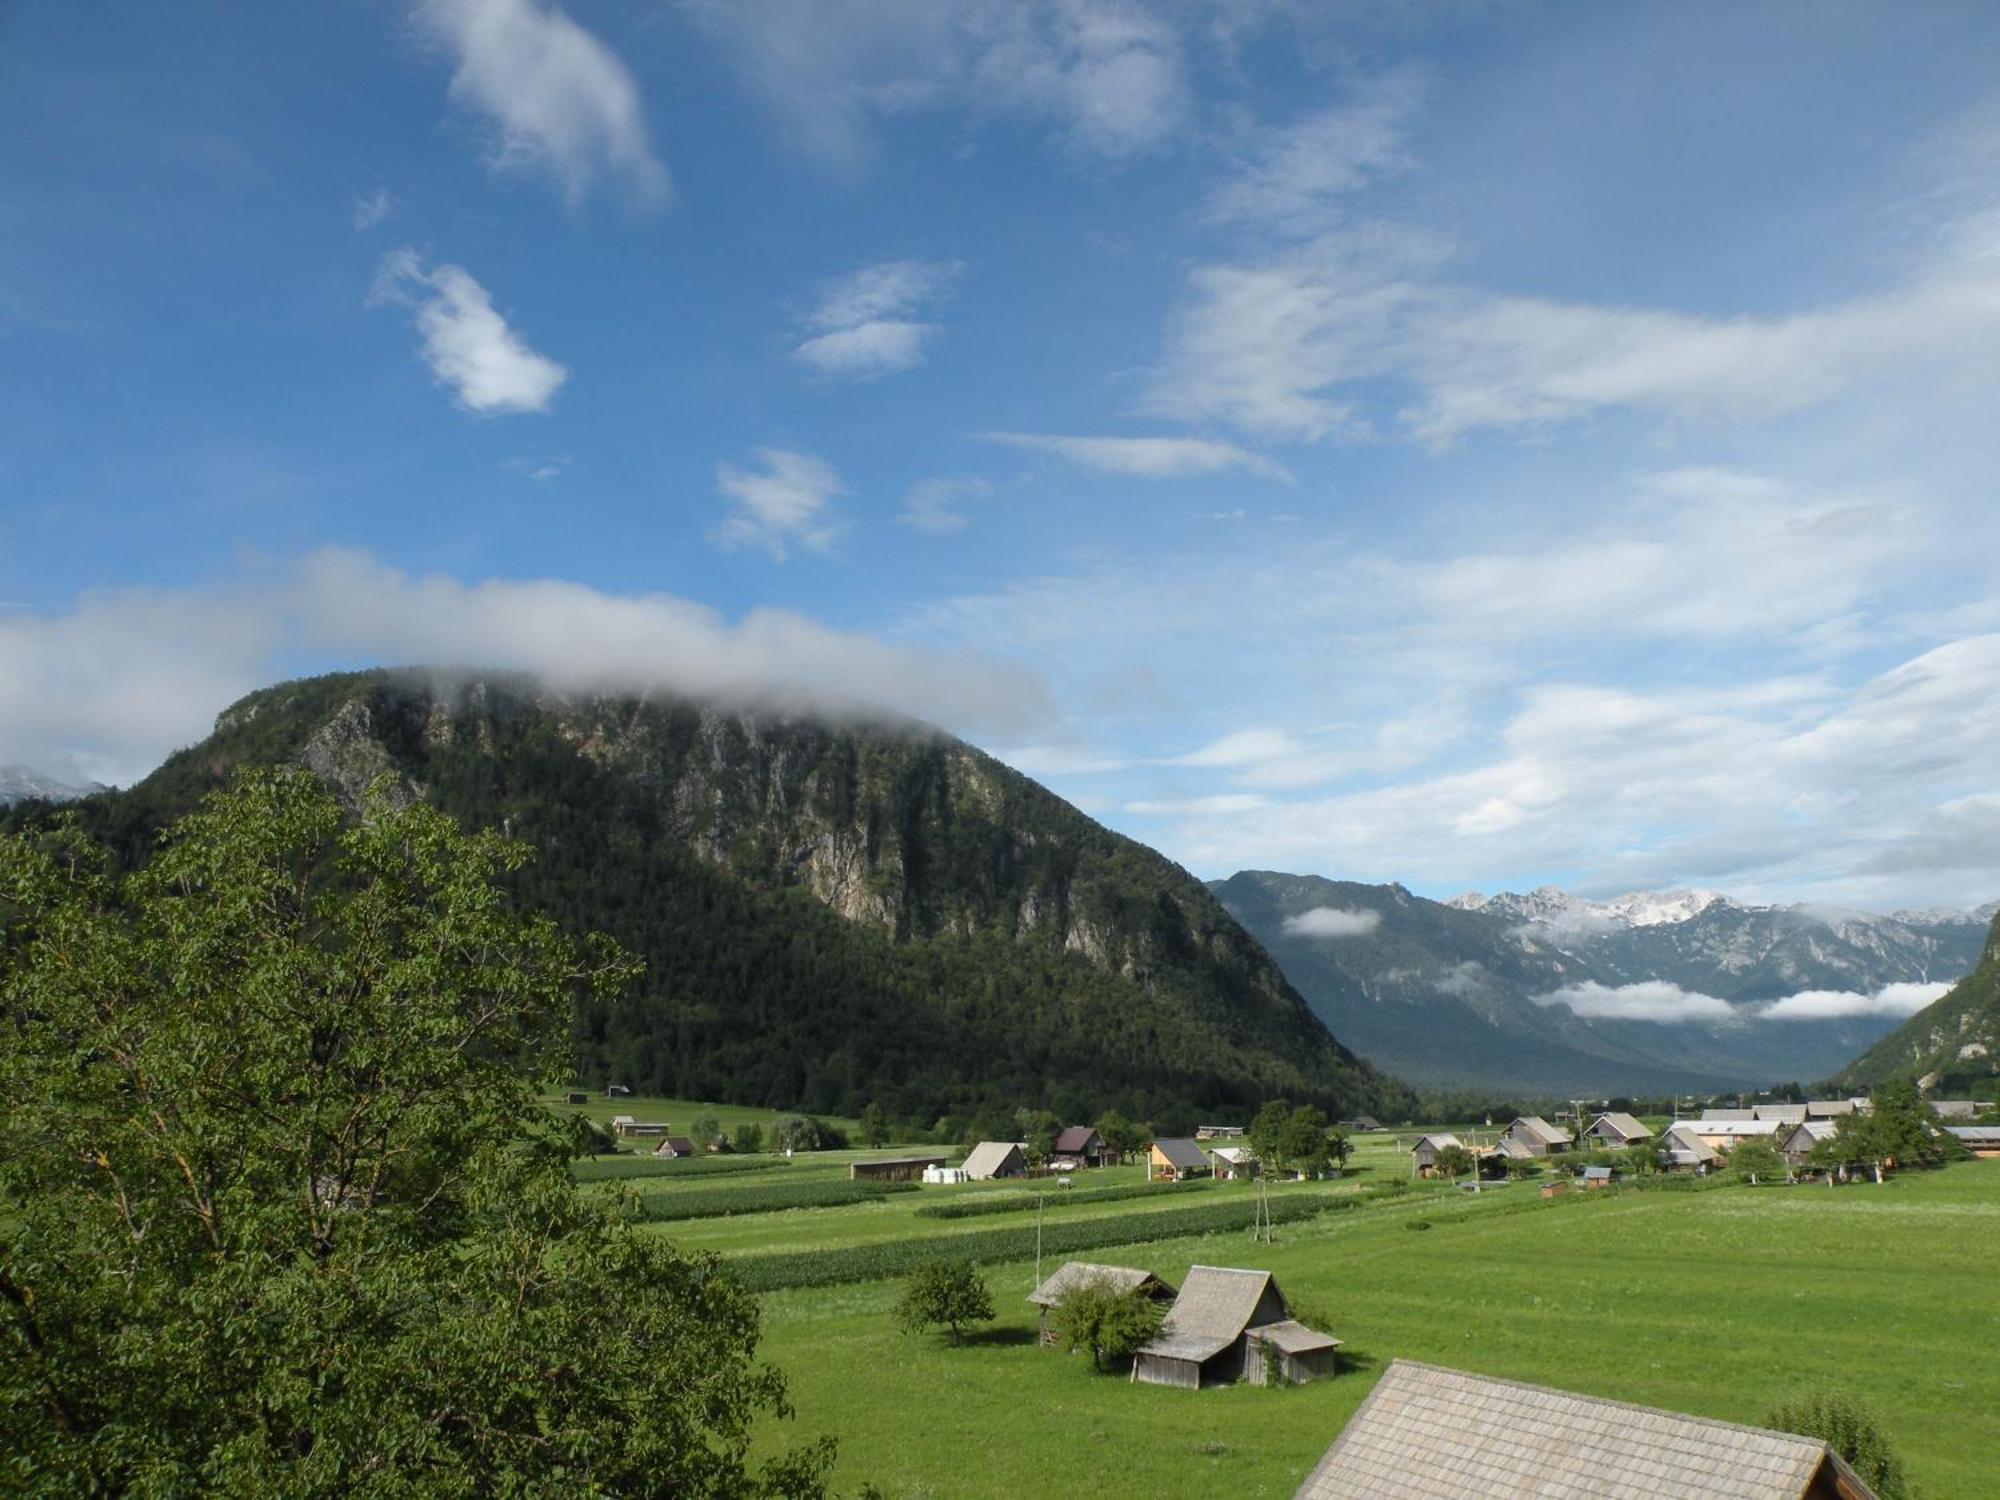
x=1438, y=1141
x=988, y=1157
x=1427, y=1433
x=1294, y=1337
x=1075, y=1140
x=1784, y=1114
x=1827, y=1109
x=1076, y=1272
x=1627, y=1126
x=1236, y=1156
x=1682, y=1142
x=1215, y=1302
x=1975, y=1135
x=1716, y=1113
x=1536, y=1125
x=1181, y=1152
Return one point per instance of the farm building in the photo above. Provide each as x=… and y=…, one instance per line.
x=1617, y=1129
x=1687, y=1151
x=1833, y=1109
x=1230, y=1325
x=626, y=1125
x=1784, y=1114
x=1075, y=1273
x=1796, y=1142
x=1962, y=1110
x=1426, y=1432
x=675, y=1145
x=990, y=1159
x=1081, y=1146
x=1728, y=1112
x=1220, y=1132
x=576, y=1096
x=1980, y=1140
x=1176, y=1160
x=1424, y=1155
x=892, y=1168
x=1233, y=1162
x=1538, y=1135
x=1595, y=1177
x=1361, y=1122
x=1721, y=1134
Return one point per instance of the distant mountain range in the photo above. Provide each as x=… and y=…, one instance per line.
x=1655, y=991
x=832, y=912
x=1952, y=1046
x=26, y=784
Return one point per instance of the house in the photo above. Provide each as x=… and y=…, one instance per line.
x=1596, y=1177
x=1227, y=1325
x=1796, y=1142
x=1961, y=1110
x=1220, y=1132
x=1427, y=1432
x=626, y=1125
x=1081, y=1146
x=1686, y=1151
x=892, y=1168
x=674, y=1146
x=576, y=1096
x=1538, y=1135
x=1075, y=1272
x=1719, y=1112
x=1175, y=1160
x=1784, y=1114
x=990, y=1159
x=1980, y=1140
x=1616, y=1129
x=1424, y=1155
x=1721, y=1134
x=1831, y=1109
x=1233, y=1162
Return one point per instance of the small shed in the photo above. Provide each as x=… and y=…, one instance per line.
x=1075, y=1273
x=576, y=1096
x=1796, y=1142
x=1228, y=1324
x=1616, y=1128
x=1595, y=1177
x=990, y=1159
x=1555, y=1188
x=1175, y=1160
x=892, y=1168
x=1081, y=1146
x=1424, y=1155
x=1233, y=1162
x=617, y=1091
x=675, y=1145
x=1426, y=1432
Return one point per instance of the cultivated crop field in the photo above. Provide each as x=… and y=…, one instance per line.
x=1720, y=1302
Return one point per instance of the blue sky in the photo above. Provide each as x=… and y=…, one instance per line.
x=1466, y=445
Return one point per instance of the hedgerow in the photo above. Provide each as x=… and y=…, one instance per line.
x=1001, y=1203
x=762, y=1198
x=622, y=1168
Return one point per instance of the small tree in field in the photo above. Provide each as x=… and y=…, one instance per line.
x=706, y=1129
x=1757, y=1158
x=945, y=1294
x=749, y=1138
x=1096, y=1316
x=874, y=1126
x=1850, y=1430
x=1453, y=1162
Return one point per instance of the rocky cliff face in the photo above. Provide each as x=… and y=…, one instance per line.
x=1952, y=1046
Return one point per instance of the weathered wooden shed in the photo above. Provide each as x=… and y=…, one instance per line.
x=1616, y=1128
x=1424, y=1155
x=1426, y=1432
x=1074, y=1273
x=1537, y=1135
x=576, y=1096
x=1219, y=1329
x=891, y=1168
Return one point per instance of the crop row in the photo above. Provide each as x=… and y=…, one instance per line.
x=623, y=1168
x=799, y=1268
x=762, y=1198
x=981, y=1204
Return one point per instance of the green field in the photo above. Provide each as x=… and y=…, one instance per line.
x=1721, y=1302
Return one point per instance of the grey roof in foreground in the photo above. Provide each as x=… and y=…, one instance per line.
x=1427, y=1433
x=1214, y=1306
x=1182, y=1153
x=1076, y=1272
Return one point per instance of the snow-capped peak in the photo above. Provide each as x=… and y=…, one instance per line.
x=1546, y=906
x=20, y=783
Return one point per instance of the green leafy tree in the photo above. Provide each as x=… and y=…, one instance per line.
x=1039, y=1129
x=1267, y=1133
x=706, y=1129
x=943, y=1293
x=1851, y=1431
x=1641, y=1159
x=1454, y=1162
x=749, y=1138
x=1757, y=1158
x=279, y=1211
x=1109, y=1324
x=795, y=1133
x=1339, y=1147
x=874, y=1126
x=1127, y=1137
x=1303, y=1140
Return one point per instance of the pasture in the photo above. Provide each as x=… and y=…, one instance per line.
x=1720, y=1302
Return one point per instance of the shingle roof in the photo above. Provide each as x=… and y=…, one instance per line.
x=1536, y=1125
x=1975, y=1135
x=1714, y=1113
x=1214, y=1306
x=1627, y=1127
x=1075, y=1140
x=1074, y=1272
x=1439, y=1141
x=988, y=1157
x=1788, y=1114
x=1181, y=1152
x=1827, y=1109
x=1426, y=1433
x=1294, y=1337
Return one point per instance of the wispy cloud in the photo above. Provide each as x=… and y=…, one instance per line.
x=1653, y=1000
x=1146, y=457
x=1217, y=806
x=1333, y=922
x=558, y=98
x=1897, y=1001
x=371, y=209
x=868, y=322
x=938, y=505
x=780, y=506
x=1296, y=179
x=467, y=344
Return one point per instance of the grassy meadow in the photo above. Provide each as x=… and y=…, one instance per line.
x=1720, y=1302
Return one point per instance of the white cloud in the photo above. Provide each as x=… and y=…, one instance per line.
x=1897, y=1001
x=1333, y=922
x=1652, y=1000
x=1244, y=747
x=938, y=505
x=1106, y=79
x=371, y=209
x=1221, y=805
x=1147, y=457
x=560, y=100
x=1060, y=760
x=781, y=506
x=866, y=318
x=107, y=687
x=1295, y=178
x=467, y=344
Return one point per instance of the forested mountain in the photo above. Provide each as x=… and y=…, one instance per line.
x=830, y=913
x=1463, y=992
x=1952, y=1045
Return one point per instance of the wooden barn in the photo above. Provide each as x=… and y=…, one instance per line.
x=892, y=1168
x=1175, y=1160
x=1537, y=1135
x=1075, y=1273
x=1616, y=1129
x=675, y=1146
x=1424, y=1155
x=1426, y=1432
x=990, y=1159
x=1227, y=1325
